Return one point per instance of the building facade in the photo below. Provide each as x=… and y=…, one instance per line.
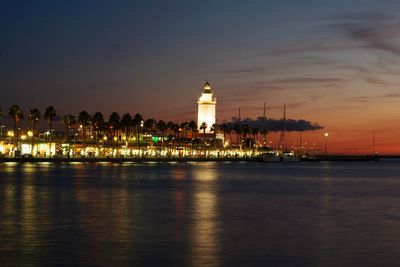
x=206, y=109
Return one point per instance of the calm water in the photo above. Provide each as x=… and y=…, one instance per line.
x=200, y=214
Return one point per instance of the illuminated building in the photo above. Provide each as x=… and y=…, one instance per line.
x=206, y=110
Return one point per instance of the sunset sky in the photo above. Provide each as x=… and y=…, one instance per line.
x=335, y=63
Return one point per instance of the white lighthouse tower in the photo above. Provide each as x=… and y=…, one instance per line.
x=206, y=111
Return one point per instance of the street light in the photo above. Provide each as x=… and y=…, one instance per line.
x=138, y=137
x=326, y=141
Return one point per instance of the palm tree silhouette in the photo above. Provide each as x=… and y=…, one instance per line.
x=16, y=114
x=138, y=124
x=255, y=132
x=126, y=123
x=84, y=119
x=114, y=122
x=203, y=127
x=34, y=116
x=237, y=128
x=162, y=127
x=68, y=121
x=193, y=128
x=245, y=131
x=50, y=115
x=214, y=129
x=97, y=121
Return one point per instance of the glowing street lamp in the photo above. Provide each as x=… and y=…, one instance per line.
x=326, y=141
x=30, y=133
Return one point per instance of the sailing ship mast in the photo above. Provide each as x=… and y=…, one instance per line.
x=282, y=136
x=265, y=120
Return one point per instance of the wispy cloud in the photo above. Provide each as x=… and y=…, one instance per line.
x=392, y=95
x=377, y=31
x=248, y=70
x=358, y=99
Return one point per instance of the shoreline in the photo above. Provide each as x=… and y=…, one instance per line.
x=122, y=160
x=320, y=158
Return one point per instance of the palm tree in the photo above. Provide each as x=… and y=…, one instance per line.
x=193, y=128
x=203, y=127
x=162, y=127
x=214, y=129
x=245, y=131
x=176, y=129
x=68, y=121
x=126, y=123
x=255, y=132
x=184, y=126
x=170, y=126
x=34, y=116
x=84, y=119
x=16, y=114
x=97, y=121
x=50, y=115
x=114, y=122
x=237, y=128
x=149, y=125
x=138, y=124
x=224, y=128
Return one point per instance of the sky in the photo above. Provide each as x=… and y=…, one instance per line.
x=335, y=63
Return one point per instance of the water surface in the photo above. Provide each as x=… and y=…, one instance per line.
x=200, y=214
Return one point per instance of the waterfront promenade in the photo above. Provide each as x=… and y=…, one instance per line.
x=255, y=158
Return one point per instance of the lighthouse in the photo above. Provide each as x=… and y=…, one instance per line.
x=206, y=110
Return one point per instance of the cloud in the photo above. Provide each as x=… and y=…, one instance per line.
x=393, y=95
x=274, y=125
x=249, y=70
x=301, y=47
x=358, y=99
x=377, y=31
x=376, y=81
x=310, y=80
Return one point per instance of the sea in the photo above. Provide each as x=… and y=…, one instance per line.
x=200, y=214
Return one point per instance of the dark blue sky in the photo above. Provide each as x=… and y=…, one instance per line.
x=152, y=57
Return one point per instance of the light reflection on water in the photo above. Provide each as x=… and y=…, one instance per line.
x=200, y=214
x=205, y=246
